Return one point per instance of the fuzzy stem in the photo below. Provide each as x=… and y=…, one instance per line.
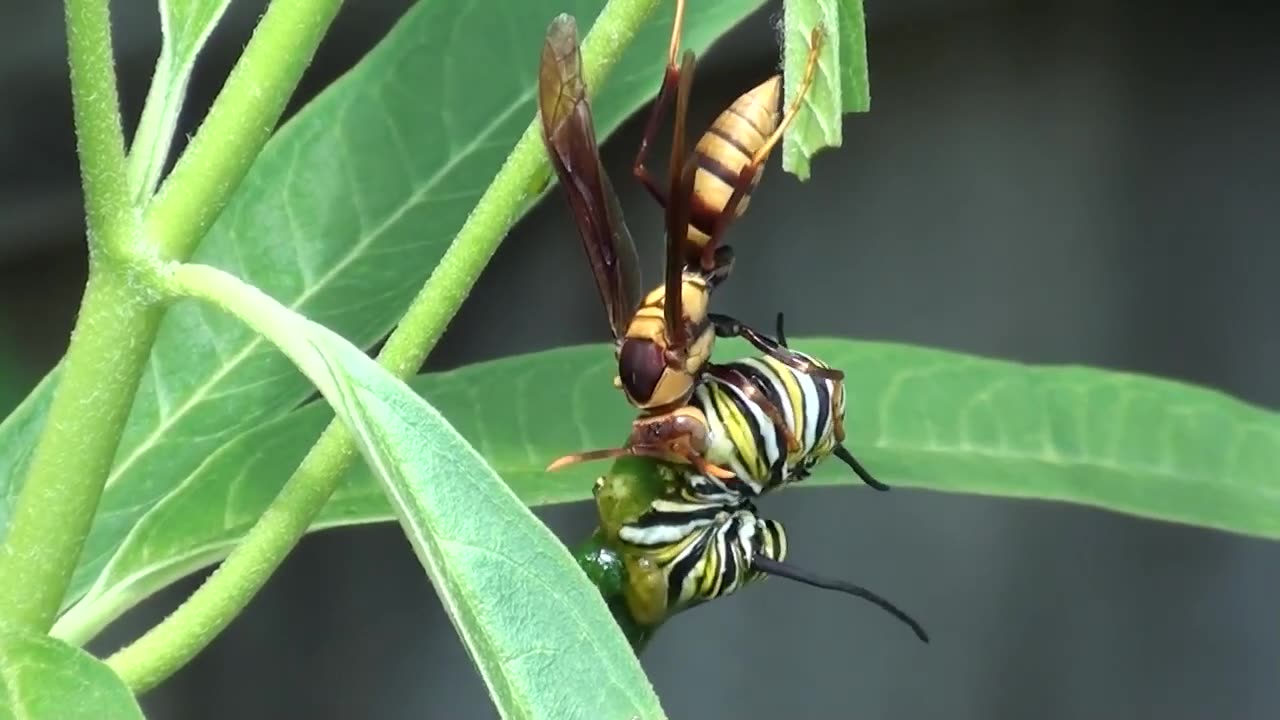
x=104, y=360
x=176, y=640
x=239, y=123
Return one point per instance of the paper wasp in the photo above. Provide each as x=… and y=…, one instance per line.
x=663, y=340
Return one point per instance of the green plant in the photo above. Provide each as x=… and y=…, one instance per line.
x=263, y=264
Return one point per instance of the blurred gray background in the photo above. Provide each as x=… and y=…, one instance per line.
x=1084, y=182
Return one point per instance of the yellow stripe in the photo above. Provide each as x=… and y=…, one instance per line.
x=795, y=396
x=668, y=553
x=710, y=569
x=737, y=425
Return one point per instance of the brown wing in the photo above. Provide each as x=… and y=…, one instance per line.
x=680, y=195
x=571, y=143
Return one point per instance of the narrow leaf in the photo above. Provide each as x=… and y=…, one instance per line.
x=917, y=417
x=536, y=628
x=18, y=435
x=819, y=123
x=855, y=83
x=45, y=679
x=185, y=25
x=342, y=217
x=841, y=84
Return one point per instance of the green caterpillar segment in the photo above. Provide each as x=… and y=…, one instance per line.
x=677, y=548
x=604, y=567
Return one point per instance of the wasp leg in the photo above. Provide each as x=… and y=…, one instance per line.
x=722, y=267
x=729, y=327
x=670, y=79
x=731, y=377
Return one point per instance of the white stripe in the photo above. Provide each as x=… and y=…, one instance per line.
x=722, y=451
x=764, y=426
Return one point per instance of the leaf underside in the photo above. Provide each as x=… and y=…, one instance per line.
x=917, y=418
x=546, y=644
x=45, y=679
x=341, y=218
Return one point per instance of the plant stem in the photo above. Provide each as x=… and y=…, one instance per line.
x=118, y=320
x=176, y=640
x=60, y=495
x=111, y=220
x=105, y=357
x=153, y=139
x=239, y=123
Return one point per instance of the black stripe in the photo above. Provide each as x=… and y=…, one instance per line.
x=824, y=402
x=748, y=121
x=763, y=380
x=660, y=518
x=778, y=536
x=757, y=433
x=797, y=405
x=719, y=169
x=728, y=558
x=733, y=141
x=679, y=571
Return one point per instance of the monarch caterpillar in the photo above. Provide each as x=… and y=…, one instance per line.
x=760, y=422
x=679, y=548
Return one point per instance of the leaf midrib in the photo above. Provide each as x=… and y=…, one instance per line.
x=413, y=199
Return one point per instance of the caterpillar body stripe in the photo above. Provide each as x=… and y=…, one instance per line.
x=682, y=553
x=744, y=439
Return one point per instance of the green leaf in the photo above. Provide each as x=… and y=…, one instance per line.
x=840, y=82
x=18, y=435
x=917, y=417
x=536, y=628
x=342, y=217
x=855, y=84
x=42, y=678
x=185, y=25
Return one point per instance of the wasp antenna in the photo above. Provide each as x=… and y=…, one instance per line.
x=782, y=335
x=587, y=456
x=843, y=453
x=769, y=566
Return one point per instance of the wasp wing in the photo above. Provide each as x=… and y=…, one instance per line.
x=569, y=135
x=680, y=198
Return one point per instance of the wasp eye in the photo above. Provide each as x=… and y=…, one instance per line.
x=640, y=365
